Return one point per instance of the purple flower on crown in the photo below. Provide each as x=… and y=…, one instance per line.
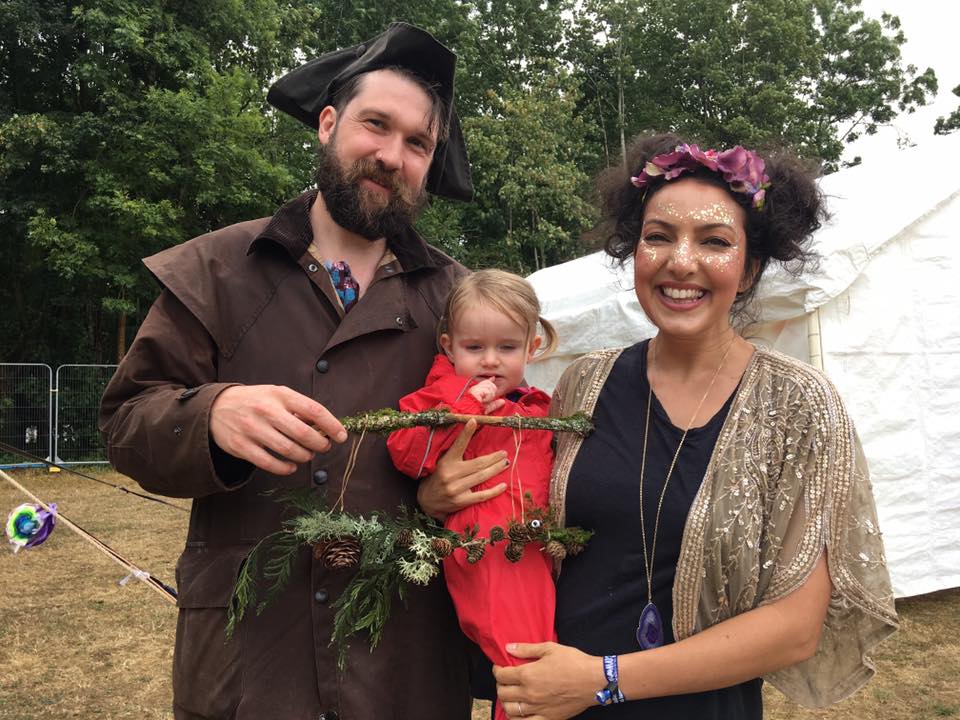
x=742, y=169
x=708, y=158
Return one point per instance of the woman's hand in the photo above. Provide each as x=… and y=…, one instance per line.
x=560, y=683
x=450, y=487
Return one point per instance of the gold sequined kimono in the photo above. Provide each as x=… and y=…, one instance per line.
x=787, y=478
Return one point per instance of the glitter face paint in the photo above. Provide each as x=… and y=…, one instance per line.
x=689, y=262
x=687, y=219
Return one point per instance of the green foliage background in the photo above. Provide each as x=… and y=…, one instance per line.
x=127, y=126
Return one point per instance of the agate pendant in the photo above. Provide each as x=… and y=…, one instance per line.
x=650, y=628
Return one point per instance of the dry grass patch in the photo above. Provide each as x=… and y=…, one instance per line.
x=74, y=644
x=918, y=669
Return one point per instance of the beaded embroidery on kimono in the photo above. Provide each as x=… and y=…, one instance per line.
x=786, y=480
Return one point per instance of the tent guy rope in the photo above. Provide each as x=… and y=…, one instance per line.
x=164, y=590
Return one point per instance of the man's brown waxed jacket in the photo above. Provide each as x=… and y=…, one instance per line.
x=245, y=305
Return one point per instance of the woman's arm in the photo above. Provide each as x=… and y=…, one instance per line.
x=563, y=681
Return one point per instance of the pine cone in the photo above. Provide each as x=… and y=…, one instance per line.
x=519, y=533
x=574, y=548
x=441, y=546
x=405, y=538
x=497, y=534
x=341, y=554
x=535, y=530
x=318, y=549
x=475, y=553
x=514, y=551
x=555, y=549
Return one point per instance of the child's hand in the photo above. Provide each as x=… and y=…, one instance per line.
x=485, y=392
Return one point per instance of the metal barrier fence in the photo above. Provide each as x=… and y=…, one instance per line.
x=79, y=388
x=26, y=411
x=52, y=416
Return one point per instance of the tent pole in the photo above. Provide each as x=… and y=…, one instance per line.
x=814, y=341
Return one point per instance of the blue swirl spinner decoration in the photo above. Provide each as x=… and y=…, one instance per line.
x=30, y=525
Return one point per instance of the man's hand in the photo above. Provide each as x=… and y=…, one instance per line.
x=450, y=487
x=485, y=392
x=252, y=421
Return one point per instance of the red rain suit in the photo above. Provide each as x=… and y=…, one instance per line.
x=497, y=601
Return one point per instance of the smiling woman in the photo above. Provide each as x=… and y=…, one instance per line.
x=725, y=484
x=690, y=262
x=784, y=184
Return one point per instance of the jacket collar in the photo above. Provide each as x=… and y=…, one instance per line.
x=290, y=229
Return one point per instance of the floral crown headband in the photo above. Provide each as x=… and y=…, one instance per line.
x=742, y=169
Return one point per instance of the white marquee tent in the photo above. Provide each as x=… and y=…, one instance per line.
x=882, y=309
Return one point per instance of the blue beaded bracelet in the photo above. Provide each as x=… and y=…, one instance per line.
x=610, y=694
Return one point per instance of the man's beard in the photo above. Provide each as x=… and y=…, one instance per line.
x=365, y=212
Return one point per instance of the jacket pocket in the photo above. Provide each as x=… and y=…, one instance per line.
x=207, y=667
x=206, y=575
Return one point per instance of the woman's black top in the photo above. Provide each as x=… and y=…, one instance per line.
x=602, y=591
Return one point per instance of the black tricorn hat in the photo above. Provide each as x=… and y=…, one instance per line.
x=305, y=91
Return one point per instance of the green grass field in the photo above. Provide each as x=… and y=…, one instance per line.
x=75, y=644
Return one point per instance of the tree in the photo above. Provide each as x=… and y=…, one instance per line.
x=528, y=155
x=598, y=49
x=125, y=128
x=946, y=125
x=810, y=74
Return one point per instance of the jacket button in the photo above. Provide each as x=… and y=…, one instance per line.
x=332, y=715
x=189, y=393
x=313, y=267
x=321, y=596
x=319, y=477
x=322, y=365
x=399, y=321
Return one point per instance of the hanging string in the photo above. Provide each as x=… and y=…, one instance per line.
x=517, y=441
x=11, y=449
x=168, y=593
x=348, y=471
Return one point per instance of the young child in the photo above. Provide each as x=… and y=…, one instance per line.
x=488, y=334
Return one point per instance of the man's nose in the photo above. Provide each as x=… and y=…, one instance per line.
x=390, y=154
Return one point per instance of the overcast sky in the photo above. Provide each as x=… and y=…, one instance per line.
x=930, y=27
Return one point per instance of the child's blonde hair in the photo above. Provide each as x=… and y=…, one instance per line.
x=506, y=292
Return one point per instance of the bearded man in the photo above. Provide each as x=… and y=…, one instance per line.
x=265, y=332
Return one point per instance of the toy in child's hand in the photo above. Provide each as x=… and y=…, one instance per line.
x=29, y=525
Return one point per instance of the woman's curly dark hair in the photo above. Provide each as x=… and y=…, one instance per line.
x=793, y=208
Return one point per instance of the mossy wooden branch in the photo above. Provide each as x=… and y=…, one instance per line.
x=386, y=421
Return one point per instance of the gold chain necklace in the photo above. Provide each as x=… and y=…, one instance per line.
x=650, y=625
